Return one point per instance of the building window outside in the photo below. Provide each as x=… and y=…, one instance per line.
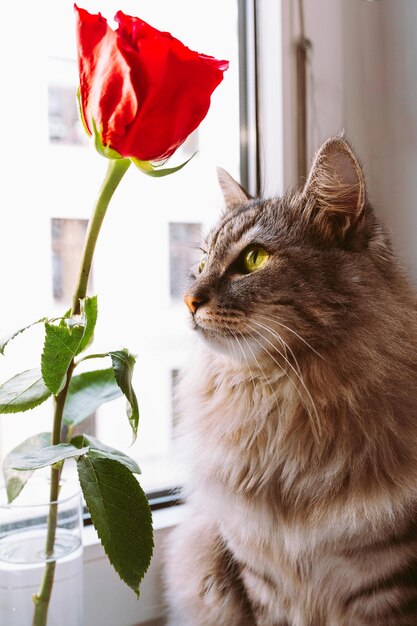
x=64, y=123
x=184, y=242
x=174, y=403
x=67, y=244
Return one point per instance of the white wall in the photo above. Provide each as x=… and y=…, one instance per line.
x=362, y=80
x=380, y=110
x=323, y=26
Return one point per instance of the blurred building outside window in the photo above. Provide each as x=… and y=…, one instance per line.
x=184, y=253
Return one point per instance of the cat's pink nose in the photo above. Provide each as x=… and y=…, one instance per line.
x=192, y=303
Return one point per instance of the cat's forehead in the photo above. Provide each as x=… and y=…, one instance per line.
x=237, y=228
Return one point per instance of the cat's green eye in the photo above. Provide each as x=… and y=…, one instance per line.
x=254, y=258
x=202, y=263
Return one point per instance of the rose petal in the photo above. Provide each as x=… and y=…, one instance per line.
x=175, y=88
x=107, y=94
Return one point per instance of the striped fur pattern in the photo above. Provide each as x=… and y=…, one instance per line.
x=299, y=418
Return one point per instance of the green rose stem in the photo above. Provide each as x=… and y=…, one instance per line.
x=115, y=172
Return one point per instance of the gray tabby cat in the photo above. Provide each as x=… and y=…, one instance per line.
x=299, y=414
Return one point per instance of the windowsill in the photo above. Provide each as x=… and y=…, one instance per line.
x=162, y=519
x=107, y=600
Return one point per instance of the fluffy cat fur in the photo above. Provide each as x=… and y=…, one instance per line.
x=299, y=417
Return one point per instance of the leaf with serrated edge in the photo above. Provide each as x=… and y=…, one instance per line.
x=5, y=340
x=59, y=349
x=123, y=364
x=89, y=307
x=16, y=479
x=99, y=449
x=121, y=515
x=23, y=392
x=35, y=459
x=87, y=392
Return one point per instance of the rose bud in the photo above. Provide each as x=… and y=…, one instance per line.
x=141, y=90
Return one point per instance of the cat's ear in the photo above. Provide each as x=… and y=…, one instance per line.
x=335, y=191
x=233, y=193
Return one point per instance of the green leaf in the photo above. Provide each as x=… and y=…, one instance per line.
x=5, y=340
x=87, y=392
x=89, y=308
x=35, y=459
x=121, y=515
x=123, y=364
x=100, y=450
x=60, y=347
x=154, y=170
x=23, y=392
x=16, y=479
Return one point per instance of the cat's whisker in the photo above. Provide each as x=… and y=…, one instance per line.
x=275, y=361
x=243, y=353
x=291, y=330
x=275, y=334
x=280, y=339
x=236, y=340
x=269, y=353
x=257, y=426
x=261, y=370
x=232, y=342
x=316, y=422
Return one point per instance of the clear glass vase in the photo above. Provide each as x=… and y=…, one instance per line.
x=23, y=528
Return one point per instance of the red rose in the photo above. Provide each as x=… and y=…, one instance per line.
x=144, y=89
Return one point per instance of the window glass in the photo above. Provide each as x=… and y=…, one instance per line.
x=184, y=241
x=174, y=404
x=150, y=232
x=67, y=238
x=64, y=123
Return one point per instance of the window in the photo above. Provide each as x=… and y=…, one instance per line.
x=64, y=121
x=150, y=232
x=174, y=405
x=67, y=245
x=184, y=241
